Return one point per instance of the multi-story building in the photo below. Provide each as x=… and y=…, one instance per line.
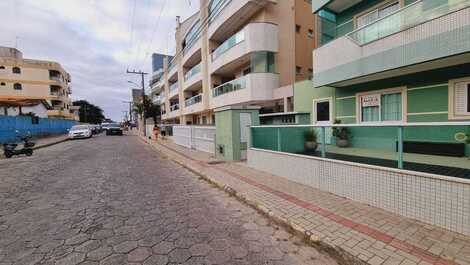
x=23, y=81
x=244, y=52
x=393, y=61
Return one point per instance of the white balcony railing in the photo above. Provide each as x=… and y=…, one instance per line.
x=193, y=100
x=405, y=18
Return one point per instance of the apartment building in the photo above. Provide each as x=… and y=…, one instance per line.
x=393, y=61
x=33, y=85
x=244, y=52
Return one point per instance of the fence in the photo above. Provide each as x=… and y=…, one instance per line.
x=24, y=124
x=385, y=166
x=201, y=138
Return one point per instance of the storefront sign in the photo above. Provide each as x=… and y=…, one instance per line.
x=371, y=100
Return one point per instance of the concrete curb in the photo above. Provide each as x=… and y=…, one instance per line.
x=339, y=254
x=50, y=144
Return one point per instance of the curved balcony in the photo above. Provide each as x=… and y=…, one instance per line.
x=157, y=87
x=422, y=36
x=231, y=15
x=235, y=50
x=193, y=78
x=251, y=88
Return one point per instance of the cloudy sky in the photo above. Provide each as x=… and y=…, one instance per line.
x=95, y=40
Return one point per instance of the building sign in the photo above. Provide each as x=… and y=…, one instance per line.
x=371, y=100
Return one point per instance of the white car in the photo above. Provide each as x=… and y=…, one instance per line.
x=80, y=131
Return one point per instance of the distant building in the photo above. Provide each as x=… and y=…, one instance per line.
x=28, y=85
x=236, y=53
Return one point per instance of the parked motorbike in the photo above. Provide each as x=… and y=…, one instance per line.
x=10, y=150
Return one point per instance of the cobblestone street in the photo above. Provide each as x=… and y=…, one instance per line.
x=112, y=200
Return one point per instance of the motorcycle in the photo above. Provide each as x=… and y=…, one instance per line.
x=10, y=150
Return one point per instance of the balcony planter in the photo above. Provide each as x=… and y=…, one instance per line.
x=342, y=135
x=310, y=137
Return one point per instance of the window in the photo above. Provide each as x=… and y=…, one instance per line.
x=462, y=98
x=297, y=28
x=298, y=70
x=381, y=107
x=310, y=33
x=376, y=14
x=246, y=71
x=2, y=67
x=17, y=86
x=16, y=70
x=323, y=111
x=2, y=84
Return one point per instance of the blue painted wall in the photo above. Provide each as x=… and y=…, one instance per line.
x=9, y=125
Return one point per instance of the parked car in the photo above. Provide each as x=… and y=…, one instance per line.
x=114, y=129
x=80, y=131
x=96, y=128
x=105, y=125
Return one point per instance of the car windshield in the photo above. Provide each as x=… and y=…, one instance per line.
x=80, y=127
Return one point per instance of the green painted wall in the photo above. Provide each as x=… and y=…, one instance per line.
x=422, y=97
x=304, y=93
x=228, y=132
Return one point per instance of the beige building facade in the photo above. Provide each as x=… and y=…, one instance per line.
x=25, y=81
x=244, y=52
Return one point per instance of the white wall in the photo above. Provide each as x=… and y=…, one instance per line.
x=436, y=200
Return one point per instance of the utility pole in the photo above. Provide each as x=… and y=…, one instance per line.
x=142, y=74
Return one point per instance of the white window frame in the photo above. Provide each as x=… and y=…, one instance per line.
x=319, y=100
x=452, y=113
x=404, y=104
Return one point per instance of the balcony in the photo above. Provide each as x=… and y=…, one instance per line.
x=173, y=89
x=231, y=15
x=173, y=69
x=193, y=78
x=236, y=49
x=192, y=52
x=422, y=36
x=174, y=107
x=193, y=105
x=251, y=88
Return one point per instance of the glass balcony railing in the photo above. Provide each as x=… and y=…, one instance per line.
x=405, y=18
x=228, y=87
x=193, y=71
x=175, y=107
x=193, y=100
x=229, y=43
x=432, y=147
x=173, y=87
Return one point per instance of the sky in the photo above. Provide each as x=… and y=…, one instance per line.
x=95, y=41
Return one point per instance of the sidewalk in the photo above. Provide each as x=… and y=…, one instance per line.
x=351, y=228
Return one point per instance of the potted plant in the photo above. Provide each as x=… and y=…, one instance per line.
x=310, y=137
x=342, y=135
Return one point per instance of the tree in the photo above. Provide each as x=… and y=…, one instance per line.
x=151, y=110
x=89, y=113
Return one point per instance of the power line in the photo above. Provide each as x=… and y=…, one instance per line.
x=139, y=46
x=131, y=34
x=155, y=27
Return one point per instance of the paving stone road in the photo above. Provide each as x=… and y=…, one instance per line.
x=113, y=200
